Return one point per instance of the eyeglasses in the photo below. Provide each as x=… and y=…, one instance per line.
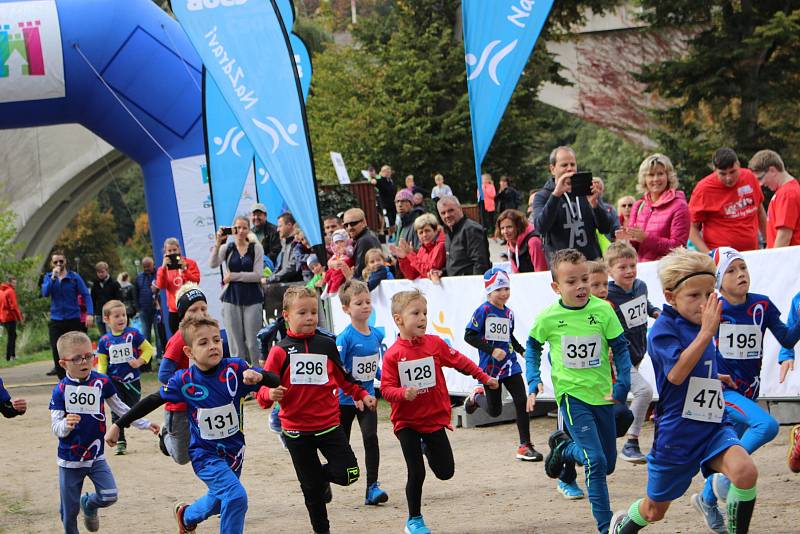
x=352, y=223
x=81, y=358
x=57, y=262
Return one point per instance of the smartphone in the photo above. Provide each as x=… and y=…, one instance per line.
x=174, y=261
x=226, y=230
x=582, y=184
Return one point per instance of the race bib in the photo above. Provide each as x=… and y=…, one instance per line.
x=82, y=399
x=740, y=341
x=122, y=353
x=581, y=352
x=417, y=373
x=497, y=329
x=218, y=423
x=309, y=369
x=704, y=401
x=365, y=367
x=635, y=311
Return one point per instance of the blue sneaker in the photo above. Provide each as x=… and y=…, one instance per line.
x=90, y=519
x=711, y=514
x=570, y=491
x=416, y=525
x=375, y=495
x=720, y=485
x=275, y=421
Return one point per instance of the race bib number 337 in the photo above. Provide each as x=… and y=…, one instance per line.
x=581, y=352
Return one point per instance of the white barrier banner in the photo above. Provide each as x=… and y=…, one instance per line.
x=451, y=304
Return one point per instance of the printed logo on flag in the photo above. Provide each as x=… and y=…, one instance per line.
x=494, y=62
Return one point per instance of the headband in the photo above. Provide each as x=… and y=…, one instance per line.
x=690, y=275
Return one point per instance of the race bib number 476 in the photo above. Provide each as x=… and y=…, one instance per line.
x=704, y=401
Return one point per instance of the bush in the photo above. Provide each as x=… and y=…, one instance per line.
x=336, y=200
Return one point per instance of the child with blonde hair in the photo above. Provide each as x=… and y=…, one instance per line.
x=375, y=270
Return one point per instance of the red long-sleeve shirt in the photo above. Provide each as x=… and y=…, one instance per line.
x=307, y=407
x=430, y=411
x=9, y=309
x=171, y=280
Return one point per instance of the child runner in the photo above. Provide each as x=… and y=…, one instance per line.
x=692, y=431
x=213, y=389
x=120, y=353
x=413, y=382
x=77, y=414
x=745, y=319
x=628, y=296
x=360, y=347
x=309, y=368
x=580, y=328
x=491, y=331
x=786, y=359
x=8, y=407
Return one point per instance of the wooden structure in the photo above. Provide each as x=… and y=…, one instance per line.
x=367, y=201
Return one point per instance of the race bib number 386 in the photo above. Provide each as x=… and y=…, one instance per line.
x=417, y=373
x=82, y=399
x=365, y=367
x=309, y=369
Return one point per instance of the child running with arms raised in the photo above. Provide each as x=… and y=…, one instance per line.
x=491, y=331
x=213, y=389
x=580, y=328
x=309, y=368
x=413, y=382
x=692, y=431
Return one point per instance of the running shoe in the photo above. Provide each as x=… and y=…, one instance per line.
x=183, y=528
x=720, y=486
x=554, y=461
x=618, y=522
x=711, y=514
x=275, y=421
x=90, y=519
x=527, y=453
x=122, y=448
x=631, y=453
x=162, y=434
x=469, y=404
x=570, y=491
x=793, y=456
x=416, y=525
x=375, y=495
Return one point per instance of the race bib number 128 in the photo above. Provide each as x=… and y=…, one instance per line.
x=417, y=373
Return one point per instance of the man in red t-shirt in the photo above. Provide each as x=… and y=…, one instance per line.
x=783, y=216
x=726, y=208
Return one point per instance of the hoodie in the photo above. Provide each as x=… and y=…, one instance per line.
x=9, y=309
x=569, y=222
x=527, y=254
x=665, y=221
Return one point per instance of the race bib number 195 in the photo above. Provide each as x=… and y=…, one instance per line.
x=740, y=341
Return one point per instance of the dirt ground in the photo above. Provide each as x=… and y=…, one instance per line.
x=491, y=492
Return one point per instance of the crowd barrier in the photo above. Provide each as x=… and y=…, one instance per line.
x=451, y=304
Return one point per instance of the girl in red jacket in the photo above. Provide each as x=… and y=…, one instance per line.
x=10, y=315
x=413, y=383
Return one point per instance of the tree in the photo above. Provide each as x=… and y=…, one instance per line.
x=25, y=270
x=735, y=86
x=90, y=238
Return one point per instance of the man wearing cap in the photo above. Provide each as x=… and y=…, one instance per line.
x=266, y=232
x=407, y=213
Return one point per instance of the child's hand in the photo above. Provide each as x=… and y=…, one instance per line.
x=276, y=394
x=154, y=428
x=136, y=363
x=370, y=402
x=251, y=377
x=360, y=405
x=727, y=380
x=498, y=354
x=112, y=435
x=712, y=310
x=72, y=420
x=786, y=366
x=435, y=275
x=493, y=383
x=411, y=393
x=531, y=404
x=20, y=405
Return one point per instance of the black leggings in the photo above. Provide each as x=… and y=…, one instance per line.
x=11, y=341
x=368, y=421
x=341, y=469
x=130, y=393
x=440, y=460
x=492, y=403
x=56, y=329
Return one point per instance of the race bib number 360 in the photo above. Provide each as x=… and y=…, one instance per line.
x=498, y=329
x=581, y=352
x=121, y=353
x=82, y=399
x=417, y=373
x=365, y=367
x=635, y=311
x=309, y=369
x=218, y=423
x=704, y=401
x=740, y=341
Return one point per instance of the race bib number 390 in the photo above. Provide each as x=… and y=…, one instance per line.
x=497, y=329
x=82, y=399
x=121, y=353
x=581, y=352
x=704, y=401
x=417, y=373
x=740, y=341
x=635, y=311
x=311, y=369
x=365, y=367
x=218, y=423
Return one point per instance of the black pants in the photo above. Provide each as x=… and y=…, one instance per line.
x=11, y=341
x=368, y=421
x=130, y=393
x=440, y=460
x=174, y=323
x=492, y=403
x=58, y=328
x=341, y=469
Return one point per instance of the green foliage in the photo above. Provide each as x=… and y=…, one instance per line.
x=91, y=236
x=124, y=197
x=335, y=200
x=31, y=304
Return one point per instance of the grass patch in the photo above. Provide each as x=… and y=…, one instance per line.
x=38, y=356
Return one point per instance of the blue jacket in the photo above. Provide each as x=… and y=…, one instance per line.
x=143, y=295
x=63, y=295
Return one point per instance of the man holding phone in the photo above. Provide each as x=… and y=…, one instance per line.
x=567, y=212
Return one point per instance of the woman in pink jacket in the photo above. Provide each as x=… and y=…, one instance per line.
x=525, y=250
x=659, y=221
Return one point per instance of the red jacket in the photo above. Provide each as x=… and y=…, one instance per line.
x=172, y=279
x=334, y=278
x=9, y=309
x=308, y=408
x=430, y=411
x=429, y=256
